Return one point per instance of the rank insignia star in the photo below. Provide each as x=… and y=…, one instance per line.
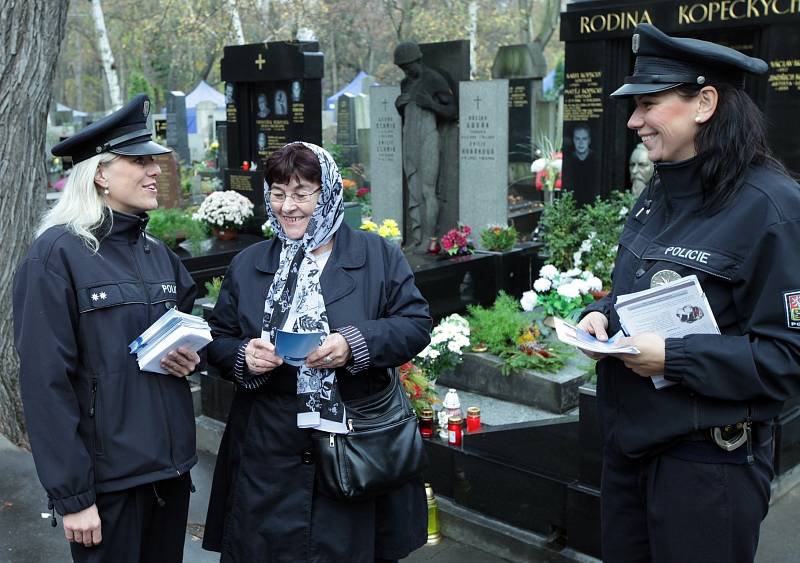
x=103, y=295
x=95, y=297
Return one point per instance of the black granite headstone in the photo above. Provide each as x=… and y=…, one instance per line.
x=346, y=136
x=598, y=57
x=177, y=136
x=222, y=139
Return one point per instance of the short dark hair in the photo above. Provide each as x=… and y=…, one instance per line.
x=293, y=161
x=584, y=126
x=729, y=142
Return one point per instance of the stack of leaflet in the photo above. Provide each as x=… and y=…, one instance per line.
x=672, y=310
x=574, y=336
x=173, y=330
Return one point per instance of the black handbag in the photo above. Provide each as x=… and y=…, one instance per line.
x=382, y=451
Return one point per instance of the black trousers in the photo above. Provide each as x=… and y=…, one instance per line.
x=136, y=528
x=672, y=509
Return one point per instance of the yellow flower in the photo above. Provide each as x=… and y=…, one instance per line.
x=215, y=145
x=391, y=223
x=369, y=226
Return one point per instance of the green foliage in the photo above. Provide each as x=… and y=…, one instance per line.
x=553, y=360
x=173, y=226
x=499, y=326
x=557, y=305
x=213, y=287
x=499, y=238
x=138, y=84
x=563, y=226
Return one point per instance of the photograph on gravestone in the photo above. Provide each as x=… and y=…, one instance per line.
x=483, y=154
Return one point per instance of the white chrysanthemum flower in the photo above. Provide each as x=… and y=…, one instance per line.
x=623, y=211
x=574, y=272
x=542, y=285
x=582, y=285
x=556, y=164
x=528, y=301
x=569, y=290
x=538, y=165
x=577, y=258
x=548, y=271
x=595, y=283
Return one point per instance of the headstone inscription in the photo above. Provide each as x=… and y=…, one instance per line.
x=273, y=97
x=168, y=183
x=483, y=150
x=177, y=136
x=346, y=136
x=598, y=56
x=386, y=155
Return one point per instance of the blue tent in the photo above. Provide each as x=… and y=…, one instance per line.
x=202, y=93
x=355, y=87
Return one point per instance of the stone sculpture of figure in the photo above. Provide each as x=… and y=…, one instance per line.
x=425, y=100
x=641, y=169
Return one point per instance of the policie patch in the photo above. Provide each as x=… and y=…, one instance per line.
x=791, y=300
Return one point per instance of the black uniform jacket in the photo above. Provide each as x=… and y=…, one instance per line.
x=745, y=257
x=95, y=422
x=263, y=506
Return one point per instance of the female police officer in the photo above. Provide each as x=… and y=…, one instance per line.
x=687, y=468
x=112, y=444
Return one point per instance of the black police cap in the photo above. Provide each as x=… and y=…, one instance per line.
x=664, y=62
x=122, y=132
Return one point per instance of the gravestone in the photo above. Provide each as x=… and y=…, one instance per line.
x=177, y=136
x=386, y=155
x=346, y=136
x=363, y=131
x=483, y=154
x=168, y=183
x=598, y=56
x=160, y=128
x=273, y=97
x=222, y=139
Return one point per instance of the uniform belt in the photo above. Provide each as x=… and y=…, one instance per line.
x=731, y=436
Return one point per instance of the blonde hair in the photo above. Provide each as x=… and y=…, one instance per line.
x=81, y=208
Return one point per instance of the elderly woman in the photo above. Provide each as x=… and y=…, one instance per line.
x=316, y=275
x=687, y=467
x=112, y=444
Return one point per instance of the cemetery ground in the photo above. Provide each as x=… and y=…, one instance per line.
x=26, y=537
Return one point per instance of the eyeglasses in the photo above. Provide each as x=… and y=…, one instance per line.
x=298, y=197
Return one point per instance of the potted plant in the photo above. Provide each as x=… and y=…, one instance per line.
x=173, y=226
x=225, y=212
x=561, y=294
x=456, y=241
x=498, y=238
x=448, y=339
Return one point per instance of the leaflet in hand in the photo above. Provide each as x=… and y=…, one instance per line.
x=672, y=310
x=294, y=347
x=173, y=330
x=574, y=336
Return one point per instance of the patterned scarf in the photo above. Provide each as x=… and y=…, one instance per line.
x=296, y=285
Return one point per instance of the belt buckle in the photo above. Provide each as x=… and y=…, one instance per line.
x=734, y=442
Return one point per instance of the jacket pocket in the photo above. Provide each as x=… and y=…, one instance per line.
x=94, y=414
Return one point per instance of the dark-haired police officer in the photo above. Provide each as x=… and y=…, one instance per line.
x=687, y=467
x=113, y=445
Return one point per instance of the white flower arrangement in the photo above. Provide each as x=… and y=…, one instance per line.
x=448, y=340
x=224, y=210
x=561, y=293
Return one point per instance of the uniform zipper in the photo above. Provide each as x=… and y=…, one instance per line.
x=158, y=380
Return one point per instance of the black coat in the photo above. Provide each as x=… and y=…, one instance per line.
x=263, y=506
x=745, y=257
x=95, y=422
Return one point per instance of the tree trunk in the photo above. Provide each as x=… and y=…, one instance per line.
x=106, y=56
x=30, y=39
x=473, y=38
x=236, y=22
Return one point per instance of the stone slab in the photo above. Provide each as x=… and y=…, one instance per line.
x=386, y=155
x=480, y=373
x=483, y=154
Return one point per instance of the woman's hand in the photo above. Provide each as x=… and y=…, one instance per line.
x=333, y=353
x=259, y=355
x=595, y=323
x=180, y=362
x=83, y=527
x=650, y=360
